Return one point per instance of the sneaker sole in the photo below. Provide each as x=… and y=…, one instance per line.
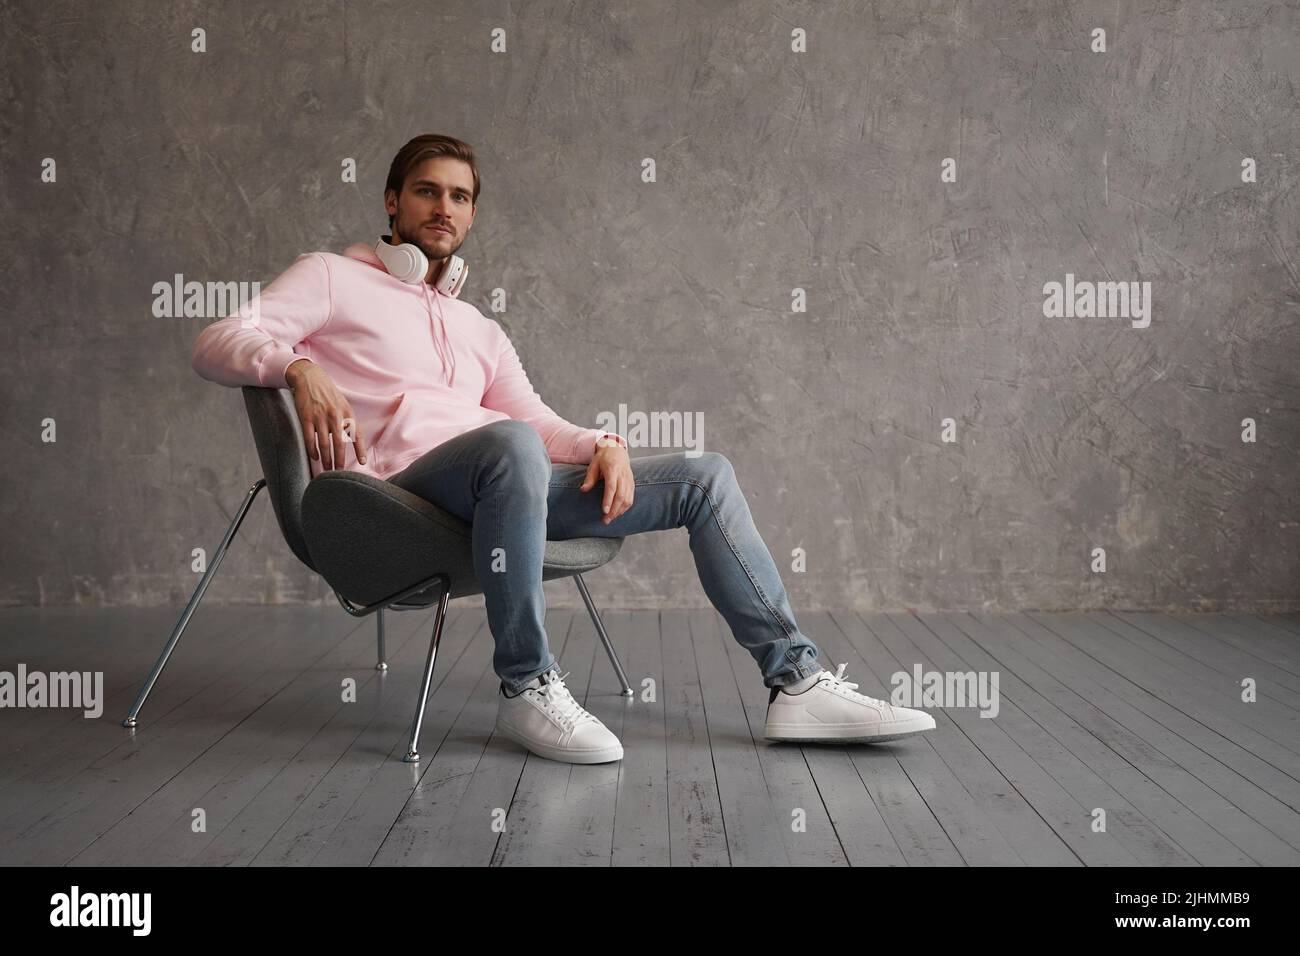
x=846, y=734
x=559, y=753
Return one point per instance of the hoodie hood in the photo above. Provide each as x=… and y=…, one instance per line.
x=362, y=252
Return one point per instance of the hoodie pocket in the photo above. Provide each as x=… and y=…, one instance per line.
x=382, y=445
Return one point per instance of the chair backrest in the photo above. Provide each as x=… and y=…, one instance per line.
x=283, y=453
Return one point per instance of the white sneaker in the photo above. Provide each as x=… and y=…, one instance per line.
x=546, y=720
x=831, y=711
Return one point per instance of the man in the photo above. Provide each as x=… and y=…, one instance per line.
x=404, y=382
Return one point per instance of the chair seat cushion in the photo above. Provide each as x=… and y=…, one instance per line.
x=371, y=540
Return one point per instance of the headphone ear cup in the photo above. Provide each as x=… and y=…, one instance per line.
x=405, y=261
x=419, y=263
x=452, y=277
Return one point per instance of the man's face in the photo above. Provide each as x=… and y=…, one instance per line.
x=436, y=196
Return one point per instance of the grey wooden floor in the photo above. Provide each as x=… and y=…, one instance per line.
x=1137, y=714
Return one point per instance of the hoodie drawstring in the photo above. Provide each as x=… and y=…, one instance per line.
x=443, y=345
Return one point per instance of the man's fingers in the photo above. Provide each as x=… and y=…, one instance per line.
x=326, y=447
x=611, y=486
x=340, y=445
x=360, y=443
x=626, y=494
x=309, y=435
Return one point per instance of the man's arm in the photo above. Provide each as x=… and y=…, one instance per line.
x=511, y=392
x=254, y=346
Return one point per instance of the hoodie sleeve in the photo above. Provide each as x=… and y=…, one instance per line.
x=511, y=392
x=254, y=345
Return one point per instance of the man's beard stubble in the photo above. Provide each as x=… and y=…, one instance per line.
x=425, y=245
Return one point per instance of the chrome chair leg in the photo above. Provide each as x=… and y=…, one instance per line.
x=600, y=629
x=412, y=752
x=194, y=602
x=383, y=660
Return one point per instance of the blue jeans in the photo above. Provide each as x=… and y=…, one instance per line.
x=500, y=478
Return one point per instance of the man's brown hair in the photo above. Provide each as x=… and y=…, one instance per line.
x=425, y=147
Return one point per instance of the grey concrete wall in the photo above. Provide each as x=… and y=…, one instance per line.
x=776, y=170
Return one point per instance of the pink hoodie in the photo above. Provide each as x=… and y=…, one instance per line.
x=417, y=366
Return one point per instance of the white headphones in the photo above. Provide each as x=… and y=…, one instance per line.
x=408, y=263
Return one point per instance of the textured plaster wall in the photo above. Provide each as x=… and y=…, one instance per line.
x=775, y=170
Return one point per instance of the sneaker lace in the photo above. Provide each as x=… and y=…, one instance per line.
x=561, y=704
x=837, y=679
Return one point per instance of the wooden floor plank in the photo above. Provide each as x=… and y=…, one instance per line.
x=917, y=832
x=1271, y=726
x=44, y=770
x=1250, y=625
x=641, y=831
x=1039, y=818
x=1136, y=713
x=104, y=791
x=69, y=639
x=1236, y=752
x=1280, y=642
x=562, y=814
x=1185, y=724
x=696, y=829
x=448, y=818
x=226, y=776
x=1273, y=648
x=792, y=785
x=1025, y=717
x=248, y=825
x=1093, y=730
x=55, y=748
x=758, y=828
x=280, y=731
x=358, y=836
x=1288, y=622
x=378, y=748
x=475, y=830
x=1187, y=649
x=963, y=814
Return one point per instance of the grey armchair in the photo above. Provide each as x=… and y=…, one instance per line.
x=377, y=545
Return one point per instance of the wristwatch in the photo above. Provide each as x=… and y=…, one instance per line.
x=610, y=440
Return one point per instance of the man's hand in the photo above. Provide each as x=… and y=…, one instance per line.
x=612, y=465
x=325, y=415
